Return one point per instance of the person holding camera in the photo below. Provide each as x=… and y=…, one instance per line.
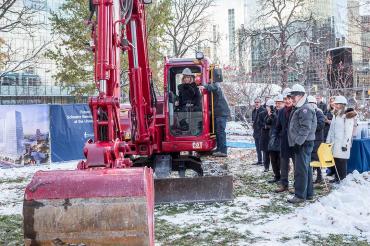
x=274, y=141
x=265, y=122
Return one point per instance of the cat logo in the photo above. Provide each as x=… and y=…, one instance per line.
x=197, y=145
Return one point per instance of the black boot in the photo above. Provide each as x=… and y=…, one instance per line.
x=318, y=177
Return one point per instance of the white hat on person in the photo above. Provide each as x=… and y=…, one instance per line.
x=311, y=99
x=341, y=100
x=279, y=98
x=270, y=102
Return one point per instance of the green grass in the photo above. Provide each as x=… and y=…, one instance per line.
x=16, y=180
x=253, y=186
x=277, y=206
x=169, y=234
x=11, y=230
x=332, y=240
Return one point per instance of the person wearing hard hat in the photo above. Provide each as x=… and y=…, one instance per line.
x=189, y=94
x=279, y=101
x=281, y=131
x=257, y=128
x=274, y=140
x=264, y=121
x=340, y=135
x=319, y=135
x=301, y=137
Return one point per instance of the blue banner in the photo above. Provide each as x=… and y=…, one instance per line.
x=70, y=127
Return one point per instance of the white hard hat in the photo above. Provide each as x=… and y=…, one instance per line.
x=279, y=98
x=286, y=92
x=270, y=102
x=187, y=71
x=298, y=88
x=311, y=99
x=340, y=99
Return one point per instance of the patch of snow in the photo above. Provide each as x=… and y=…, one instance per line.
x=11, y=196
x=345, y=210
x=243, y=206
x=238, y=128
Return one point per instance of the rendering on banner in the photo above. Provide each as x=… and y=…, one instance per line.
x=24, y=134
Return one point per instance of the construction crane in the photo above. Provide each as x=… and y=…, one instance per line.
x=109, y=199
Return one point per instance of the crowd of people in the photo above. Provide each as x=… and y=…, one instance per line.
x=286, y=129
x=291, y=127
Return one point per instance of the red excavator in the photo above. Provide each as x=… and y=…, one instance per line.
x=109, y=199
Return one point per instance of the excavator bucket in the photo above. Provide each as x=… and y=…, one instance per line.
x=194, y=189
x=90, y=207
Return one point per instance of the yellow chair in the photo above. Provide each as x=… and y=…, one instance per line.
x=326, y=159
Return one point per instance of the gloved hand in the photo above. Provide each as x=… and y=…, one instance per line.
x=344, y=149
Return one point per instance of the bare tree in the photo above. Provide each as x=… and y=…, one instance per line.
x=358, y=24
x=187, y=26
x=241, y=91
x=286, y=37
x=341, y=76
x=19, y=17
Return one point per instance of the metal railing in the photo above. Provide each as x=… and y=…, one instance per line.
x=45, y=90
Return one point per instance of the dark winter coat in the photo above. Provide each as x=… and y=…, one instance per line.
x=319, y=134
x=221, y=106
x=302, y=125
x=329, y=116
x=189, y=97
x=274, y=141
x=322, y=106
x=265, y=130
x=256, y=126
x=281, y=131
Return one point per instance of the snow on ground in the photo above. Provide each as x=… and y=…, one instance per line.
x=256, y=216
x=14, y=180
x=238, y=128
x=345, y=210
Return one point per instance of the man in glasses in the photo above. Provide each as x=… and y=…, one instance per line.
x=301, y=137
x=258, y=109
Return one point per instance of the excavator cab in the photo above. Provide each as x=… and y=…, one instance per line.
x=188, y=134
x=185, y=106
x=188, y=109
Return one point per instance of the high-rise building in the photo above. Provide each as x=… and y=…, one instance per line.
x=362, y=76
x=353, y=37
x=14, y=136
x=214, y=45
x=28, y=77
x=231, y=36
x=365, y=40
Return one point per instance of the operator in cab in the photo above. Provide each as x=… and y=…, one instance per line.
x=189, y=99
